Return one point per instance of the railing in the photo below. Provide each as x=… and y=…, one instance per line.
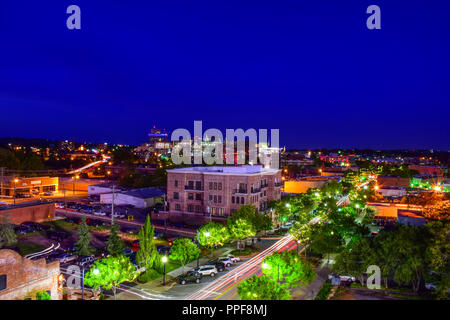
x=240, y=191
x=256, y=190
x=263, y=186
x=193, y=188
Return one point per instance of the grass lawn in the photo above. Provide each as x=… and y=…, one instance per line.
x=61, y=225
x=29, y=247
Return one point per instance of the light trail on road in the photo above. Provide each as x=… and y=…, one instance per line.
x=223, y=284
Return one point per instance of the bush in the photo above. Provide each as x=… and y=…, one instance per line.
x=324, y=292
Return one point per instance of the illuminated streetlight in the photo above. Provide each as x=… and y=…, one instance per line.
x=164, y=261
x=95, y=271
x=207, y=234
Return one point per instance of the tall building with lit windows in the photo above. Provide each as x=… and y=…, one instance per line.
x=216, y=192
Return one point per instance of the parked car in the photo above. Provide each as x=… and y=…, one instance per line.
x=207, y=270
x=220, y=266
x=342, y=278
x=47, y=194
x=233, y=258
x=23, y=229
x=118, y=215
x=99, y=213
x=226, y=260
x=65, y=258
x=190, y=276
x=85, y=261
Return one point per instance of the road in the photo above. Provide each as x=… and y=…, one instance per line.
x=225, y=287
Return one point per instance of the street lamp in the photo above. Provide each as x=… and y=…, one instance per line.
x=15, y=181
x=74, y=179
x=164, y=260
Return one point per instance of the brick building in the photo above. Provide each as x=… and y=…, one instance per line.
x=22, y=278
x=35, y=211
x=217, y=191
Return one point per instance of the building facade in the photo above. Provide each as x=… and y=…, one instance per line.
x=22, y=278
x=26, y=185
x=216, y=192
x=34, y=211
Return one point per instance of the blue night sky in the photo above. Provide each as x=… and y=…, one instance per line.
x=310, y=68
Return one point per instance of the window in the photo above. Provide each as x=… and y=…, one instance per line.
x=210, y=197
x=198, y=185
x=210, y=186
x=198, y=196
x=219, y=198
x=215, y=199
x=176, y=195
x=2, y=282
x=242, y=200
x=198, y=208
x=190, y=196
x=215, y=185
x=176, y=183
x=232, y=199
x=219, y=186
x=190, y=208
x=177, y=207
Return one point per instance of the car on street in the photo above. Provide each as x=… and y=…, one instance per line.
x=207, y=270
x=191, y=276
x=47, y=194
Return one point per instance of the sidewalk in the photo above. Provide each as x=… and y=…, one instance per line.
x=309, y=292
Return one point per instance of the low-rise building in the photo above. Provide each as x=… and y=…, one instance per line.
x=27, y=185
x=35, y=211
x=139, y=198
x=304, y=184
x=22, y=278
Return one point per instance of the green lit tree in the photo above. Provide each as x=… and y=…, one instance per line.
x=212, y=234
x=115, y=244
x=240, y=228
x=184, y=251
x=147, y=253
x=288, y=268
x=110, y=272
x=262, y=288
x=82, y=245
x=7, y=234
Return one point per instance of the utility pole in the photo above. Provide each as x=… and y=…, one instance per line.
x=65, y=201
x=1, y=182
x=112, y=205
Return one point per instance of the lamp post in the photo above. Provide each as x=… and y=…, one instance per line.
x=14, y=196
x=164, y=260
x=74, y=179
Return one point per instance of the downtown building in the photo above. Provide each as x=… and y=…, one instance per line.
x=216, y=192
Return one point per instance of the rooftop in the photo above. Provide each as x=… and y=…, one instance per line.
x=238, y=170
x=145, y=193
